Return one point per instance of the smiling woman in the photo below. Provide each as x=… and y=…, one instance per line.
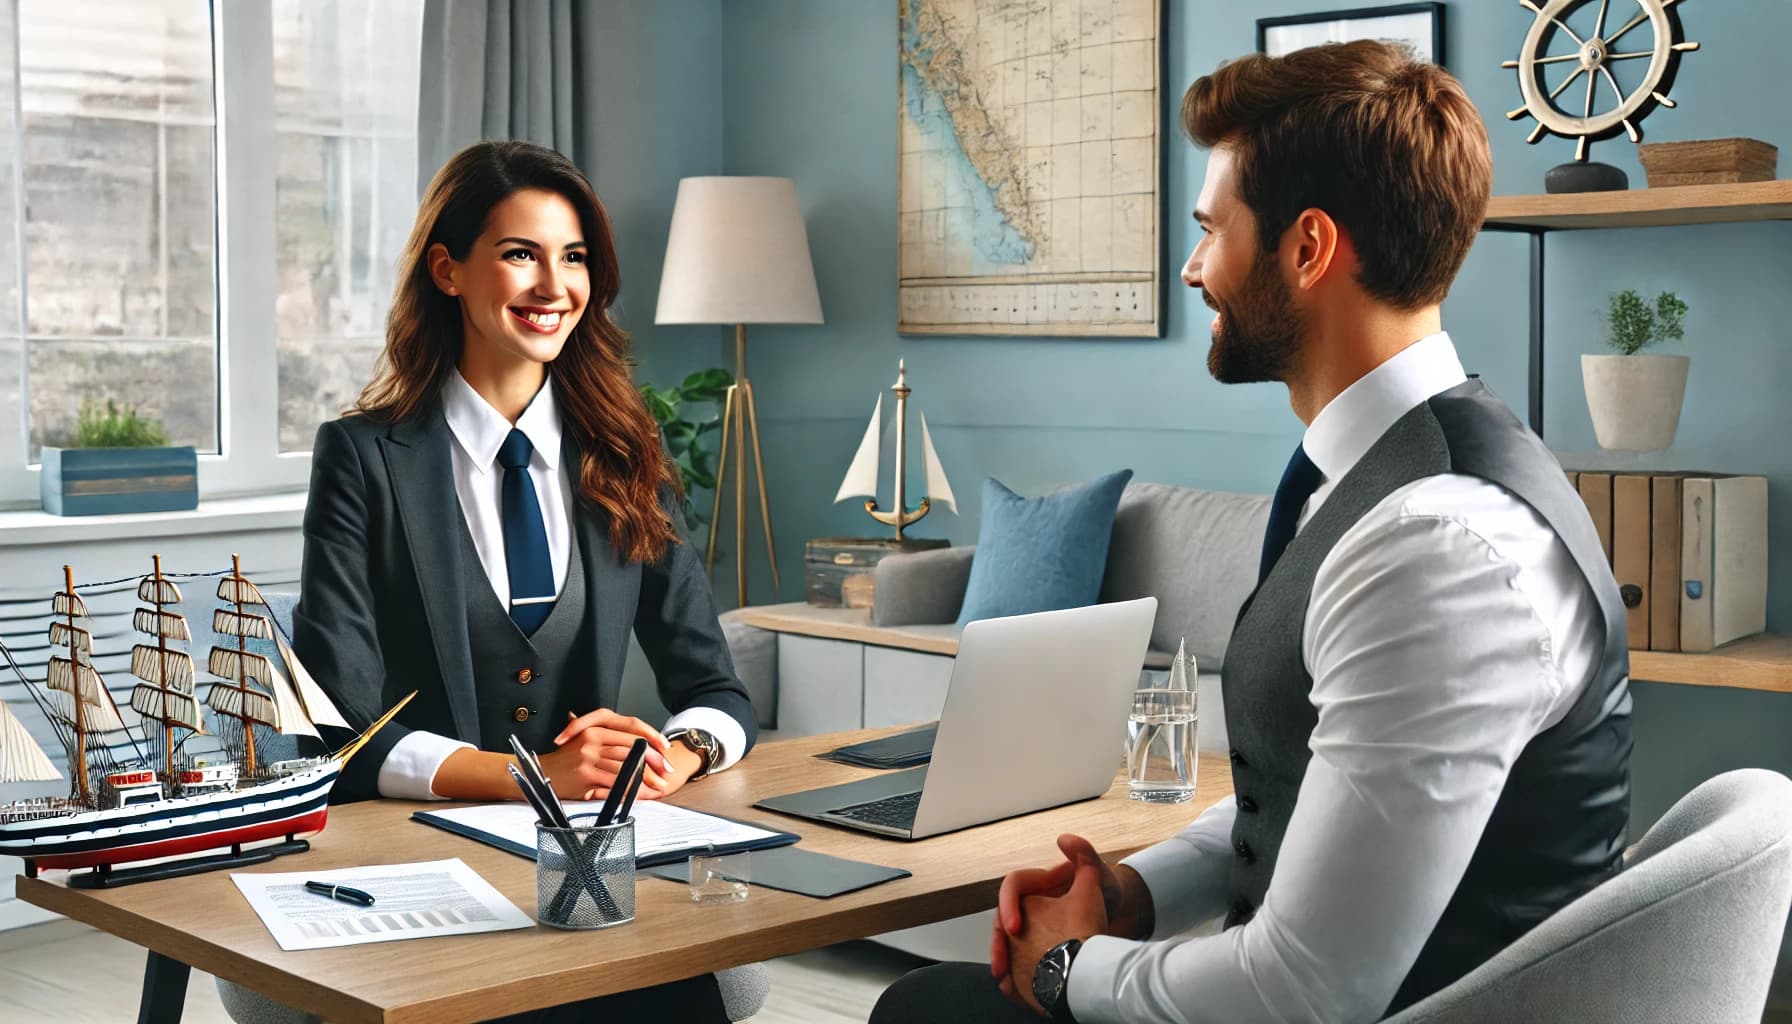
x=499, y=515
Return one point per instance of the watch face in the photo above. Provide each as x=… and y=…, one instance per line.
x=1048, y=977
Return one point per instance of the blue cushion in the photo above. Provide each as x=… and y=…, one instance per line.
x=1041, y=554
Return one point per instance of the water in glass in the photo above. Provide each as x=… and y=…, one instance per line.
x=1161, y=761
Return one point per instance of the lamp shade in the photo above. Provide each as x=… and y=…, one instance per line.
x=737, y=254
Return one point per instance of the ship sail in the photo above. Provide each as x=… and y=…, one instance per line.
x=172, y=669
x=160, y=623
x=224, y=663
x=231, y=623
x=21, y=759
x=317, y=705
x=939, y=489
x=237, y=590
x=64, y=635
x=170, y=707
x=245, y=703
x=81, y=681
x=70, y=604
x=155, y=590
x=861, y=476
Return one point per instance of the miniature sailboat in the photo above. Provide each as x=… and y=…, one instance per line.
x=136, y=812
x=861, y=476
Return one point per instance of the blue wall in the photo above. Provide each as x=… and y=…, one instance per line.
x=809, y=92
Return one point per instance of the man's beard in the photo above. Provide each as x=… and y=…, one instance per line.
x=1260, y=329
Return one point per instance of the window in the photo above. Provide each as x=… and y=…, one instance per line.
x=201, y=202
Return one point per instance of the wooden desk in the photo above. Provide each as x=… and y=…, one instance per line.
x=203, y=921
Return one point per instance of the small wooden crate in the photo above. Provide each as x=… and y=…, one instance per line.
x=1708, y=162
x=837, y=571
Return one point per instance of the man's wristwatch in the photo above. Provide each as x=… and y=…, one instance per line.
x=700, y=742
x=1051, y=980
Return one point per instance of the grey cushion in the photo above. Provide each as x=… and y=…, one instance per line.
x=755, y=654
x=1690, y=931
x=922, y=587
x=1196, y=552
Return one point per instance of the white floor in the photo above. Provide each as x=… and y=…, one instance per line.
x=48, y=972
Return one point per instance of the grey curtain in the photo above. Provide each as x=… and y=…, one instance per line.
x=505, y=69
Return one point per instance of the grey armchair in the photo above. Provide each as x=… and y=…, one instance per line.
x=1690, y=931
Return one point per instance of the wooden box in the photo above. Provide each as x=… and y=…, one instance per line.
x=101, y=481
x=837, y=571
x=1708, y=162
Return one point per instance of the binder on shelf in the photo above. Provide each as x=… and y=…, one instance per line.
x=1596, y=492
x=1631, y=541
x=1723, y=559
x=1664, y=563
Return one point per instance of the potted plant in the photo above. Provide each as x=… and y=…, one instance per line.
x=1635, y=398
x=118, y=461
x=684, y=436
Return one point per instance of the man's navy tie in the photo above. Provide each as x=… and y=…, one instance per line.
x=525, y=539
x=1299, y=481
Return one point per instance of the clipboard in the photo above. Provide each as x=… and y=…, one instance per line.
x=661, y=830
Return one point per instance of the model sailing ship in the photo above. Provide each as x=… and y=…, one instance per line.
x=164, y=803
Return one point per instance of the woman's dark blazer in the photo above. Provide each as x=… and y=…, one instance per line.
x=383, y=596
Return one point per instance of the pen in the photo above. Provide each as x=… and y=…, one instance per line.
x=538, y=781
x=634, y=786
x=341, y=892
x=624, y=776
x=541, y=812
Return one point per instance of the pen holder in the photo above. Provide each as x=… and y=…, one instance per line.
x=585, y=875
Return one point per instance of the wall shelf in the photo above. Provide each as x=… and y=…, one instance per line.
x=1643, y=207
x=1759, y=662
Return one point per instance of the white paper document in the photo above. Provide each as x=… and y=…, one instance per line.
x=411, y=901
x=659, y=827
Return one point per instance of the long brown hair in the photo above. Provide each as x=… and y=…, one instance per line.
x=1388, y=145
x=623, y=469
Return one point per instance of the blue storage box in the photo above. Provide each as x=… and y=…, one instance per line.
x=102, y=481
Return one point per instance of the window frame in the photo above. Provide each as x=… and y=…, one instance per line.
x=249, y=459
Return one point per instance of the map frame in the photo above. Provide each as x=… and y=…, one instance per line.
x=1053, y=303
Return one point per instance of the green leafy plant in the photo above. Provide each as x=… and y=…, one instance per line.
x=1632, y=324
x=684, y=433
x=110, y=427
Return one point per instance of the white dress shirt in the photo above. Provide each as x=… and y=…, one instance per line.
x=1446, y=629
x=479, y=431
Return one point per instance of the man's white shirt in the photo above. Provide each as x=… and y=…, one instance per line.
x=1446, y=629
x=479, y=430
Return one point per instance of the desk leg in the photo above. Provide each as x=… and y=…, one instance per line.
x=164, y=990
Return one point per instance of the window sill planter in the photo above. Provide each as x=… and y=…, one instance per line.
x=102, y=481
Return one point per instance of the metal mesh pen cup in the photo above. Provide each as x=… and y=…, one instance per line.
x=585, y=875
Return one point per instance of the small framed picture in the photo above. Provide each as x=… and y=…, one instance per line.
x=1419, y=26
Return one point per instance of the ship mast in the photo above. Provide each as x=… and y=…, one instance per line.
x=75, y=675
x=234, y=696
x=165, y=694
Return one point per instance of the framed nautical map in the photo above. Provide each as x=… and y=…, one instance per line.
x=1029, y=190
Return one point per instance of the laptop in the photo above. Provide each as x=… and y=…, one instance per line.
x=1035, y=717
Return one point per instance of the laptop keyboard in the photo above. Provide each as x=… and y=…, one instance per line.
x=891, y=812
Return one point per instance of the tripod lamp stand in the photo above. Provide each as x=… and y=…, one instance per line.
x=738, y=254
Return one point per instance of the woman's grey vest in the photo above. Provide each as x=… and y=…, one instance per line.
x=527, y=684
x=1558, y=828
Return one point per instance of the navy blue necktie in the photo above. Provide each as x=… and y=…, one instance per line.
x=1299, y=481
x=525, y=539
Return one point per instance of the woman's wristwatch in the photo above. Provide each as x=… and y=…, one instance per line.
x=704, y=745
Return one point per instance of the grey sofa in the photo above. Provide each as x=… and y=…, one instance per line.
x=1194, y=550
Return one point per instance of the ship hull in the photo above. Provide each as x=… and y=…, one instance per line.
x=292, y=806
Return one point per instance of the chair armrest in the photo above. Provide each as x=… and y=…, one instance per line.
x=923, y=588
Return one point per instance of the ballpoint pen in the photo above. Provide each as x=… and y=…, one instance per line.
x=636, y=751
x=342, y=893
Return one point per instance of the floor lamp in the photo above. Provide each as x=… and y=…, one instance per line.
x=738, y=254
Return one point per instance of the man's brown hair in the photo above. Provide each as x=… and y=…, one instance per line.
x=1388, y=146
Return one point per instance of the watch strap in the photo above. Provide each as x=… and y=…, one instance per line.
x=707, y=748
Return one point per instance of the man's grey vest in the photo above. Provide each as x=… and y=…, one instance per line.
x=527, y=684
x=1558, y=828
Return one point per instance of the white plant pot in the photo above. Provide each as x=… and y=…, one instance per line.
x=1635, y=400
